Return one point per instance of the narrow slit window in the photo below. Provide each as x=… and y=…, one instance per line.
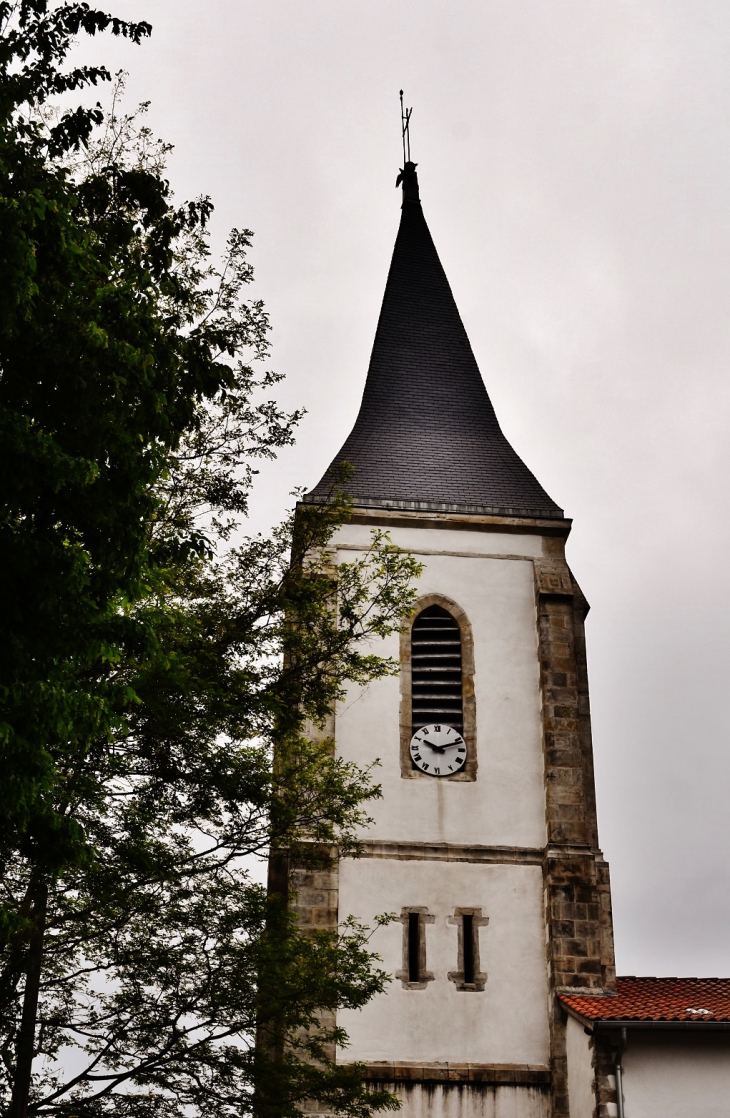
x=468, y=941
x=436, y=670
x=414, y=947
x=469, y=975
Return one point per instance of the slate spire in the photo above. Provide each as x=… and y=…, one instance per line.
x=426, y=436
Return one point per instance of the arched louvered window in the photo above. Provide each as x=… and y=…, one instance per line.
x=436, y=679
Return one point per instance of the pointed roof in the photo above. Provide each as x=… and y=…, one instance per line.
x=426, y=436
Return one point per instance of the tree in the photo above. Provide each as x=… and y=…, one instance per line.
x=152, y=666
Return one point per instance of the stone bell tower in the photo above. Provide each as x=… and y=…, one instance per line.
x=485, y=842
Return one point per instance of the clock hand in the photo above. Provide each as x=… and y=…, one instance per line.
x=437, y=748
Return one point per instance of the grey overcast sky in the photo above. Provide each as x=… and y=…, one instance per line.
x=574, y=158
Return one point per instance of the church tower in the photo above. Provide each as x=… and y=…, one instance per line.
x=485, y=842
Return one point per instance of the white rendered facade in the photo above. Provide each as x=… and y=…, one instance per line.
x=669, y=1070
x=490, y=576
x=448, y=845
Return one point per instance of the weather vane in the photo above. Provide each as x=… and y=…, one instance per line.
x=405, y=125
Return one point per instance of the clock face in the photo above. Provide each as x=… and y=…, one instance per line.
x=438, y=750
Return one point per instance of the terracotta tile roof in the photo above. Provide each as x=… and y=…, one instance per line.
x=426, y=435
x=657, y=999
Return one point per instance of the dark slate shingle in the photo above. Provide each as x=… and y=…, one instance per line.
x=426, y=435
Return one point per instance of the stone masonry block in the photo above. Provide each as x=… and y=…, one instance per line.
x=311, y=898
x=565, y=776
x=563, y=756
x=566, y=792
x=566, y=813
x=563, y=929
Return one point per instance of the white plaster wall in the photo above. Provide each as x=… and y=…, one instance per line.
x=581, y=1078
x=471, y=1102
x=505, y=805
x=677, y=1075
x=507, y=1022
x=448, y=539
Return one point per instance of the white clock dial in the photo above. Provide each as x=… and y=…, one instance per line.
x=438, y=750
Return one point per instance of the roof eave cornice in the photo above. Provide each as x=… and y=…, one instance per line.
x=427, y=515
x=605, y=1025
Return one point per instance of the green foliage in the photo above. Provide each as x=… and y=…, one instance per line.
x=293, y=1058
x=161, y=680
x=113, y=331
x=157, y=939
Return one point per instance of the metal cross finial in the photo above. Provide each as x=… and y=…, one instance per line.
x=405, y=123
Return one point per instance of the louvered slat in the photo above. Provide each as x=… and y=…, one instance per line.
x=436, y=670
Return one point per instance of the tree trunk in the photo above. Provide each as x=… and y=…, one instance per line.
x=25, y=1047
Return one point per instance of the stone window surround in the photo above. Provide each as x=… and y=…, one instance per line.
x=425, y=976
x=469, y=772
x=457, y=976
